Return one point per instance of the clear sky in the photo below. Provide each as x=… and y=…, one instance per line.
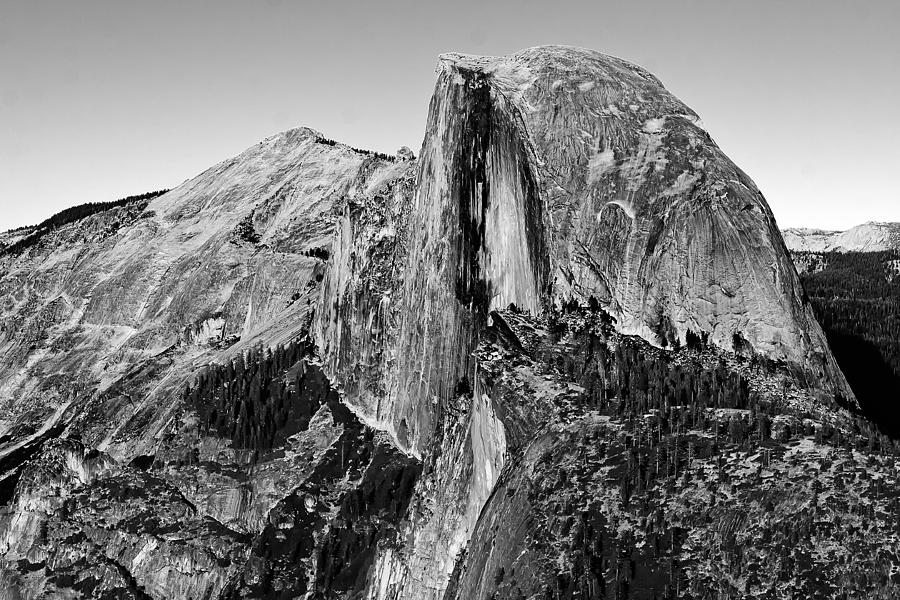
x=100, y=100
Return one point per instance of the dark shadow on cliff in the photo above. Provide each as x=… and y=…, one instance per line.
x=876, y=385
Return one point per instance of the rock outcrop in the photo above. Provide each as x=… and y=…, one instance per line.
x=314, y=371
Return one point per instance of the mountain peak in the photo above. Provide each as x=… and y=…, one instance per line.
x=296, y=133
x=616, y=188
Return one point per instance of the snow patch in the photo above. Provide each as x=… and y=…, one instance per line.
x=683, y=183
x=654, y=125
x=600, y=164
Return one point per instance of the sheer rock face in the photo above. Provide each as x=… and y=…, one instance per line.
x=558, y=174
x=637, y=207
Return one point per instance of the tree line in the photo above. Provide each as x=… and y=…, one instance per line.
x=688, y=417
x=71, y=215
x=856, y=298
x=381, y=155
x=261, y=397
x=684, y=389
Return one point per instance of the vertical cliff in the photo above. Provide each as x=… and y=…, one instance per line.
x=550, y=176
x=642, y=211
x=478, y=242
x=562, y=174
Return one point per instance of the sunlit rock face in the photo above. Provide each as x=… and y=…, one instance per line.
x=561, y=173
x=640, y=209
x=106, y=319
x=558, y=174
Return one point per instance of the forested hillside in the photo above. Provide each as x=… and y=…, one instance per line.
x=639, y=472
x=255, y=400
x=856, y=296
x=70, y=215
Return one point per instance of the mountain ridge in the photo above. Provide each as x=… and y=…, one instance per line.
x=872, y=236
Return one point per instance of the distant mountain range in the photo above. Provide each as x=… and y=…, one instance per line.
x=868, y=237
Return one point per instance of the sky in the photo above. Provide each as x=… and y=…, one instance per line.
x=104, y=99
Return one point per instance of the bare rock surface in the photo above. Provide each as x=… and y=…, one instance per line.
x=111, y=315
x=636, y=206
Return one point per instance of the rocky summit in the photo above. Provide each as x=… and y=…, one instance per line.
x=564, y=353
